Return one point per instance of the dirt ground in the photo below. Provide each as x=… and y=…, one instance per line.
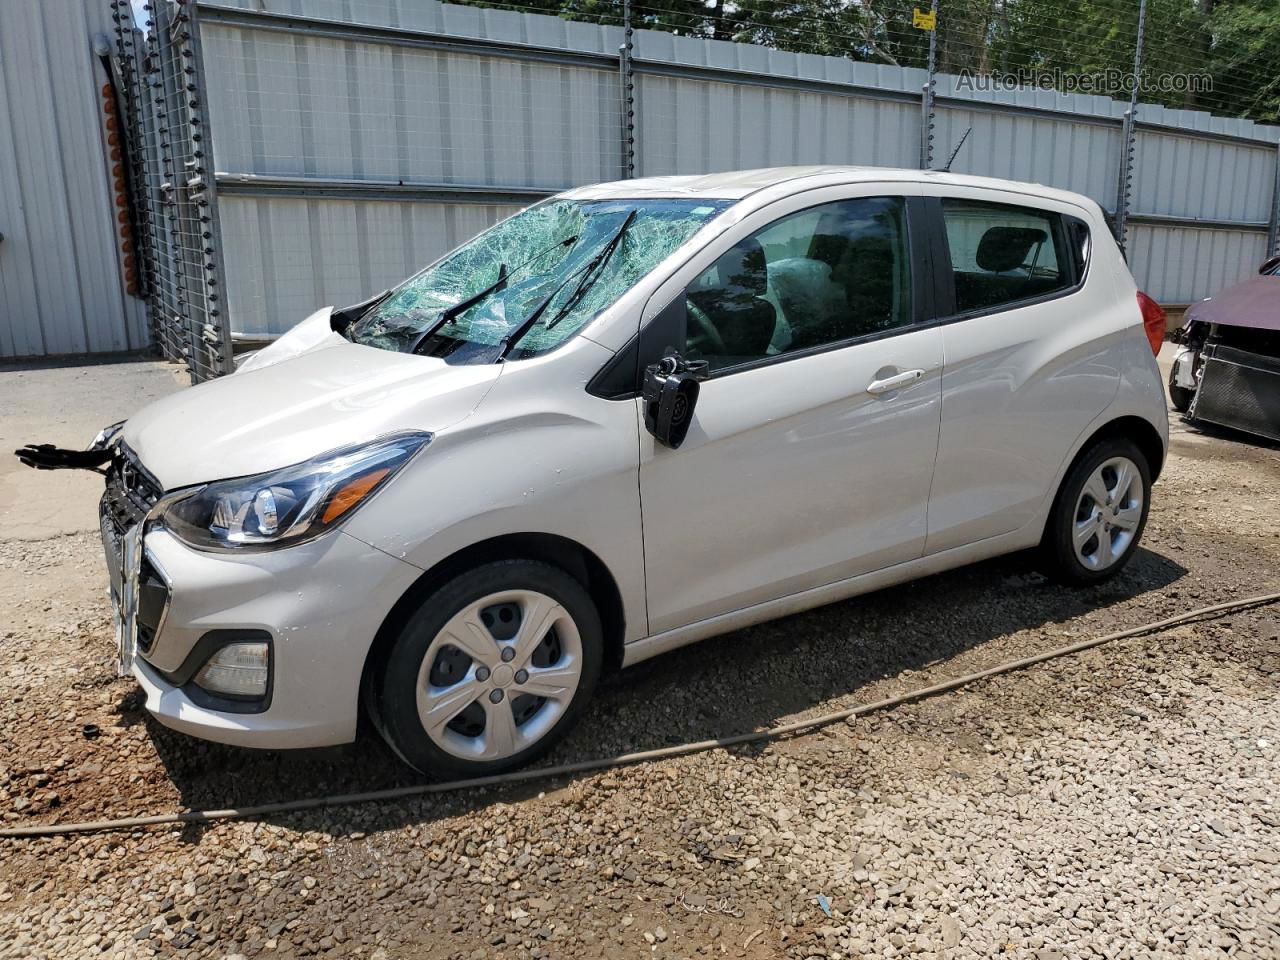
x=1118, y=803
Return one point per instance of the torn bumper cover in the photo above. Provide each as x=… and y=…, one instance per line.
x=1240, y=382
x=314, y=607
x=1240, y=390
x=1235, y=363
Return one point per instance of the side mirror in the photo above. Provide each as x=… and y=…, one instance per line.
x=670, y=394
x=1269, y=265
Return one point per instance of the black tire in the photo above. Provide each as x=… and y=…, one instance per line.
x=1057, y=549
x=1180, y=397
x=395, y=685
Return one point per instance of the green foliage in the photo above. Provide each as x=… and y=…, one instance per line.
x=1245, y=54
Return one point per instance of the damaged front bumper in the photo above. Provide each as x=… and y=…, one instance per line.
x=316, y=605
x=1239, y=381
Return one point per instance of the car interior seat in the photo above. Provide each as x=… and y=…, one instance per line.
x=736, y=306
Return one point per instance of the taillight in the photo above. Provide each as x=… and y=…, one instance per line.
x=1154, y=320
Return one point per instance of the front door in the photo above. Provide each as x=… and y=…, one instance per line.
x=811, y=449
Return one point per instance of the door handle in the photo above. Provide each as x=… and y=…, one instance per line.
x=896, y=382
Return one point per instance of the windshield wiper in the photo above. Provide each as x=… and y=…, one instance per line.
x=460, y=307
x=525, y=325
x=463, y=306
x=588, y=271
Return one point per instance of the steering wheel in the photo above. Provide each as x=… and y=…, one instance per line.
x=707, y=339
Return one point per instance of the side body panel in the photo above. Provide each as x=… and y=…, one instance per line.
x=1130, y=382
x=1140, y=394
x=322, y=603
x=539, y=456
x=1018, y=387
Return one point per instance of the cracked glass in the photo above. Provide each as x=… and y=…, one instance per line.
x=527, y=284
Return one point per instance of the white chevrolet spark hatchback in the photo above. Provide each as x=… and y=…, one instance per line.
x=627, y=418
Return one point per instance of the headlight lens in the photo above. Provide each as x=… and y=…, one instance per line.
x=293, y=504
x=106, y=436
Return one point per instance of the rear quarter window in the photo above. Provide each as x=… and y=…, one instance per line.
x=1003, y=254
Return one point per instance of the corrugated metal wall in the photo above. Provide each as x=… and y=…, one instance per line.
x=705, y=126
x=357, y=140
x=1186, y=264
x=1069, y=152
x=323, y=117
x=292, y=255
x=316, y=107
x=61, y=287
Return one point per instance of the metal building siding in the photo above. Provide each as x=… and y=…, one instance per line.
x=1186, y=264
x=703, y=126
x=290, y=256
x=1190, y=177
x=1067, y=154
x=432, y=16
x=61, y=288
x=454, y=20
x=293, y=104
x=345, y=109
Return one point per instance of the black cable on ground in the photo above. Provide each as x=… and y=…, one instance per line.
x=588, y=766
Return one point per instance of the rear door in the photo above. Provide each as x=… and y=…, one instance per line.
x=811, y=448
x=1029, y=343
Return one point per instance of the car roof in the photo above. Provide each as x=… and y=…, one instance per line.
x=737, y=184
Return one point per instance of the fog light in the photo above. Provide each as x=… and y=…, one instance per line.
x=237, y=670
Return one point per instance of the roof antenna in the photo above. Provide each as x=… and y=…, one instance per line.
x=951, y=159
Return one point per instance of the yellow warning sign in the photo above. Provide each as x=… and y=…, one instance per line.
x=924, y=19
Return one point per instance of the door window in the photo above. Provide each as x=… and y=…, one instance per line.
x=816, y=277
x=1002, y=254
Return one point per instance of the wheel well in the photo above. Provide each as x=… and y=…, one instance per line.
x=570, y=556
x=1136, y=429
x=1140, y=432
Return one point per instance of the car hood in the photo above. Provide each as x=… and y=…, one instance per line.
x=334, y=394
x=1254, y=303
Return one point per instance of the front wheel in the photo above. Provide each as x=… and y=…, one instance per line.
x=1099, y=514
x=491, y=671
x=1180, y=397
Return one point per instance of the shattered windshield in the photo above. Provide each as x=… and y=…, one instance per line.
x=529, y=283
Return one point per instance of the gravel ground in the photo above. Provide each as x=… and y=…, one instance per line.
x=1119, y=803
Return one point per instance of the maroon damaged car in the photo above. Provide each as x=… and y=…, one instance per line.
x=1227, y=369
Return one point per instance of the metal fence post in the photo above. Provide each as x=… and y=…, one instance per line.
x=627, y=78
x=216, y=331
x=926, y=97
x=1128, y=134
x=169, y=305
x=1273, y=228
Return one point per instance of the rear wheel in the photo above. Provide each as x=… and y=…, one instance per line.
x=1099, y=514
x=492, y=671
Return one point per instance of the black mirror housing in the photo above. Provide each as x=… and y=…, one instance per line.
x=670, y=393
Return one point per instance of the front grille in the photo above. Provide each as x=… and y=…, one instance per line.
x=1240, y=390
x=131, y=491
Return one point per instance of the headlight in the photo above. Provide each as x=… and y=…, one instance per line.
x=106, y=436
x=293, y=504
